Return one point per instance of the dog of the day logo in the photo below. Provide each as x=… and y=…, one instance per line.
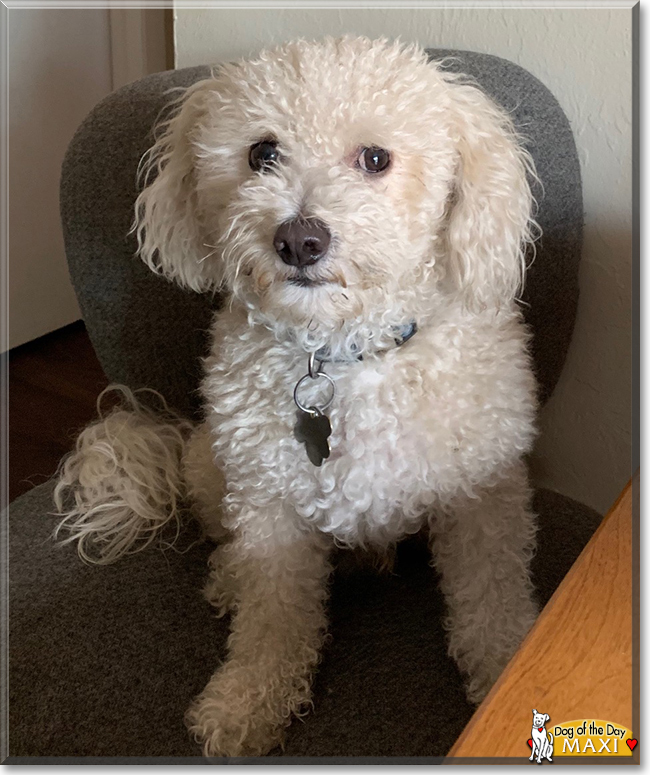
x=582, y=737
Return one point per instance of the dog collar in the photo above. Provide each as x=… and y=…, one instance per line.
x=313, y=427
x=401, y=334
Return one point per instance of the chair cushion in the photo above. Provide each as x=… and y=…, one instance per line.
x=150, y=333
x=104, y=661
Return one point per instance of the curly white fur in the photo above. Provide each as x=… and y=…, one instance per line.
x=124, y=478
x=433, y=432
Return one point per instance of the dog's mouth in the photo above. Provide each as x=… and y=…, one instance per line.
x=302, y=281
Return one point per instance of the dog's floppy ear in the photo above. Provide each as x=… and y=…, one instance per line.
x=167, y=218
x=490, y=220
x=534, y=712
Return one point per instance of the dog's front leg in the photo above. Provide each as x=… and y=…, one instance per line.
x=482, y=547
x=275, y=578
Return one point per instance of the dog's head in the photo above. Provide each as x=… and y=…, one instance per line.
x=340, y=181
x=539, y=719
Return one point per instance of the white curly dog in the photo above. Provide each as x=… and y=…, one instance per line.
x=368, y=214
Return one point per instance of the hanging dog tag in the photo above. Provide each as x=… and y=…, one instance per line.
x=313, y=429
x=312, y=426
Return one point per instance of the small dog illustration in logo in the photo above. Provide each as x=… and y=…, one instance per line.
x=542, y=740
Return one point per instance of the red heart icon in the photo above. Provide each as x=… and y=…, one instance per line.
x=631, y=743
x=530, y=741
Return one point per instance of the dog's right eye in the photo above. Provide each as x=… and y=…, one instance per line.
x=373, y=160
x=263, y=155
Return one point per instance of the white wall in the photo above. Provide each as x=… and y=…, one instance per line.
x=584, y=57
x=59, y=67
x=62, y=62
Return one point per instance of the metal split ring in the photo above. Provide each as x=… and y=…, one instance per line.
x=314, y=371
x=314, y=374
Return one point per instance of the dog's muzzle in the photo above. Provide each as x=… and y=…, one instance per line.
x=302, y=242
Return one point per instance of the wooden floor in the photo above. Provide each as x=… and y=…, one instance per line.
x=53, y=384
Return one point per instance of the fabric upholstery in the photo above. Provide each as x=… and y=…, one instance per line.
x=105, y=660
x=149, y=333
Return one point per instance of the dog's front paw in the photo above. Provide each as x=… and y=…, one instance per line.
x=480, y=681
x=225, y=729
x=483, y=657
x=482, y=672
x=238, y=714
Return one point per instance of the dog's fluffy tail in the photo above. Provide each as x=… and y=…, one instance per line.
x=122, y=484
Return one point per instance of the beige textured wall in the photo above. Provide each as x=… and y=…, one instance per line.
x=585, y=57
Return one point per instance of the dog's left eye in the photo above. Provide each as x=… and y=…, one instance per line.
x=263, y=155
x=373, y=159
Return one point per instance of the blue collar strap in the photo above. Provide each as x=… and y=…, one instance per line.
x=401, y=335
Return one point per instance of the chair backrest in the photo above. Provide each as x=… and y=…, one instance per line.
x=149, y=333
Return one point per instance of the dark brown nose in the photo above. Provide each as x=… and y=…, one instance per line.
x=302, y=242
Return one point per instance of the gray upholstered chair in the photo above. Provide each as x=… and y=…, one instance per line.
x=105, y=660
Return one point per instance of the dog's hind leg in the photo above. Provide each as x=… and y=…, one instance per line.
x=482, y=547
x=206, y=486
x=204, y=483
x=277, y=575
